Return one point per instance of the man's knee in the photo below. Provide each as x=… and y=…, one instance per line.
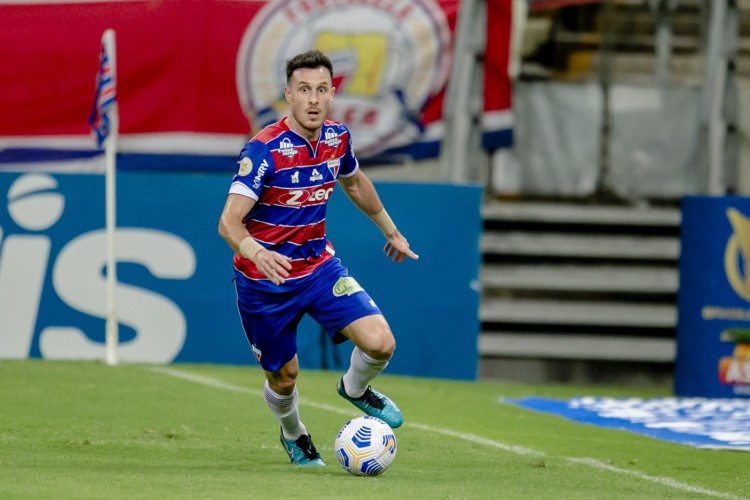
x=383, y=343
x=283, y=381
x=373, y=335
x=283, y=386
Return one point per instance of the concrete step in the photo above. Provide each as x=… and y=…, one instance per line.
x=580, y=278
x=561, y=245
x=577, y=347
x=634, y=41
x=565, y=252
x=581, y=214
x=685, y=68
x=572, y=313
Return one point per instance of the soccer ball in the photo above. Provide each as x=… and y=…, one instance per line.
x=365, y=446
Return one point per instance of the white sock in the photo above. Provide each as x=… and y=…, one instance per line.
x=362, y=370
x=286, y=411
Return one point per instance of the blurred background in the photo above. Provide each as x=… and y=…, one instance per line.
x=552, y=141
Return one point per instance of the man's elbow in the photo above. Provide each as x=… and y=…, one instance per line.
x=222, y=229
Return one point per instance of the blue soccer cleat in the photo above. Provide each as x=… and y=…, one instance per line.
x=374, y=404
x=302, y=451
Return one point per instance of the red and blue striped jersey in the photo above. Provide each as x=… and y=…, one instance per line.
x=291, y=181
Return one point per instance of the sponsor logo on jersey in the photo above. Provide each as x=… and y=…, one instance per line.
x=316, y=176
x=246, y=166
x=286, y=148
x=346, y=286
x=295, y=178
x=389, y=57
x=260, y=174
x=333, y=166
x=332, y=138
x=305, y=197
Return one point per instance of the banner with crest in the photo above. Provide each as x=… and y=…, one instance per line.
x=198, y=77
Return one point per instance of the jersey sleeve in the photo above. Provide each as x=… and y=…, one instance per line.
x=254, y=167
x=349, y=162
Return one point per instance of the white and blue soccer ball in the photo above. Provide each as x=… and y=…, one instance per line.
x=365, y=446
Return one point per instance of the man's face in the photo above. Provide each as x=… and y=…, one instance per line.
x=310, y=92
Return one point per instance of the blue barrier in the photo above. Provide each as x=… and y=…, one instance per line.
x=713, y=325
x=175, y=296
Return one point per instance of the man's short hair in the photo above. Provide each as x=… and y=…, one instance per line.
x=311, y=59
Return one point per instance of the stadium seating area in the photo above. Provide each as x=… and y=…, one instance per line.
x=567, y=44
x=585, y=290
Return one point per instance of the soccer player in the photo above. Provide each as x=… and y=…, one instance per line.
x=274, y=219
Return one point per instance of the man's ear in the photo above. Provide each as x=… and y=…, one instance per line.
x=288, y=94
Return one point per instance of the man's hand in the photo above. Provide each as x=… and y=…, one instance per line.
x=273, y=265
x=397, y=248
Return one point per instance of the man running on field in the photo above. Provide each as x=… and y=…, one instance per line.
x=274, y=219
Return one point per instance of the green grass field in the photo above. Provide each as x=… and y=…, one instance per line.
x=86, y=430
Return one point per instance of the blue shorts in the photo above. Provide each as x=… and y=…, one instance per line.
x=270, y=315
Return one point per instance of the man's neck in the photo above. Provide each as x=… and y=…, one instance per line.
x=295, y=127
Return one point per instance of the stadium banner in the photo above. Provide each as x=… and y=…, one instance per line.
x=713, y=325
x=175, y=296
x=197, y=77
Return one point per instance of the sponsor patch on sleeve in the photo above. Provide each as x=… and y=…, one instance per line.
x=246, y=166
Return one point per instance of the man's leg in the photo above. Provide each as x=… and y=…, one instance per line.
x=280, y=393
x=374, y=346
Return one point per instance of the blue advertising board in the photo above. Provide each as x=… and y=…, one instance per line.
x=175, y=297
x=713, y=326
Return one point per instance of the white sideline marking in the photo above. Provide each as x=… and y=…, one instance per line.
x=472, y=438
x=666, y=481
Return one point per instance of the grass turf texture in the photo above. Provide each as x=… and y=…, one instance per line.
x=86, y=430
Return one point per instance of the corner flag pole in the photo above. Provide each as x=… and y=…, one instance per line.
x=110, y=158
x=105, y=122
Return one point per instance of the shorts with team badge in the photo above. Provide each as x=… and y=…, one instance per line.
x=329, y=295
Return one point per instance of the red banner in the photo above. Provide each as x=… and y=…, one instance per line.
x=196, y=67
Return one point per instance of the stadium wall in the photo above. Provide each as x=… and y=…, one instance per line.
x=175, y=296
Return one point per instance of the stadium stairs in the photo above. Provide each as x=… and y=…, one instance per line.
x=578, y=293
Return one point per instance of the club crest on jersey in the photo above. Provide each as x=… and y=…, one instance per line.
x=257, y=352
x=246, y=166
x=346, y=286
x=286, y=148
x=316, y=176
x=333, y=166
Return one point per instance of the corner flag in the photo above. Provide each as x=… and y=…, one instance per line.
x=106, y=91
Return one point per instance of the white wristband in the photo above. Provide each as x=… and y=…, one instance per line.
x=384, y=222
x=249, y=247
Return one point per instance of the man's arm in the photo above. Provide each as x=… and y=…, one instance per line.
x=360, y=190
x=273, y=265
